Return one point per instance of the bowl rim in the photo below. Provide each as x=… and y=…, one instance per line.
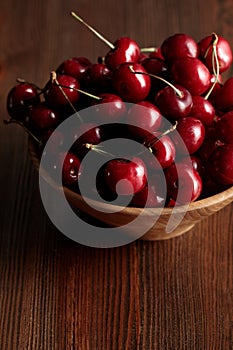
x=215, y=199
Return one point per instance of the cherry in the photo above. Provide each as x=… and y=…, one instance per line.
x=76, y=67
x=62, y=91
x=143, y=118
x=98, y=78
x=192, y=133
x=196, y=163
x=20, y=98
x=156, y=53
x=223, y=50
x=156, y=66
x=41, y=117
x=123, y=50
x=184, y=184
x=125, y=177
x=151, y=195
x=163, y=149
x=174, y=101
x=110, y=108
x=179, y=46
x=203, y=110
x=220, y=165
x=209, y=144
x=191, y=73
x=71, y=169
x=129, y=86
x=223, y=98
x=224, y=128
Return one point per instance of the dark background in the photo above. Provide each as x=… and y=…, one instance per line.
x=56, y=294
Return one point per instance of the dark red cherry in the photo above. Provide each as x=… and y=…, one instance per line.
x=125, y=50
x=129, y=86
x=20, y=98
x=125, y=177
x=196, y=163
x=209, y=144
x=174, y=103
x=223, y=99
x=163, y=150
x=152, y=195
x=71, y=169
x=75, y=67
x=224, y=53
x=41, y=117
x=220, y=165
x=179, y=46
x=191, y=73
x=203, y=110
x=98, y=78
x=224, y=128
x=156, y=53
x=156, y=66
x=184, y=184
x=110, y=108
x=142, y=118
x=192, y=132
x=55, y=97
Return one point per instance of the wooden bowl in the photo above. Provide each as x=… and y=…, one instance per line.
x=191, y=214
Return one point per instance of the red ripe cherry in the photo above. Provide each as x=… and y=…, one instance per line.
x=203, y=110
x=163, y=150
x=76, y=67
x=209, y=144
x=41, y=117
x=129, y=86
x=191, y=73
x=152, y=195
x=223, y=99
x=220, y=165
x=174, y=103
x=224, y=128
x=143, y=118
x=184, y=184
x=55, y=97
x=179, y=46
x=125, y=177
x=224, y=53
x=125, y=50
x=192, y=132
x=157, y=53
x=196, y=163
x=71, y=169
x=110, y=108
x=98, y=78
x=20, y=98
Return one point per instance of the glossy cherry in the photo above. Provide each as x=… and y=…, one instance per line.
x=98, y=78
x=61, y=96
x=20, y=98
x=203, y=110
x=178, y=46
x=71, y=169
x=110, y=108
x=174, y=102
x=76, y=67
x=142, y=118
x=189, y=135
x=129, y=86
x=209, y=144
x=224, y=52
x=191, y=73
x=125, y=177
x=184, y=184
x=223, y=99
x=41, y=117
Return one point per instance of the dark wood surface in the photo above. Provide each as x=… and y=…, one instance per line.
x=56, y=294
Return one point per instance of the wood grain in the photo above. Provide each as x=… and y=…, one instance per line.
x=56, y=294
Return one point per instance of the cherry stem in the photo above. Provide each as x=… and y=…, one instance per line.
x=215, y=64
x=97, y=149
x=81, y=92
x=177, y=91
x=100, y=36
x=148, y=49
x=157, y=138
x=55, y=81
x=13, y=121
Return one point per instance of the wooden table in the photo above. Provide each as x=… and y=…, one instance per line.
x=56, y=294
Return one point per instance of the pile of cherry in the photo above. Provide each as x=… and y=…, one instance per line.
x=181, y=82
